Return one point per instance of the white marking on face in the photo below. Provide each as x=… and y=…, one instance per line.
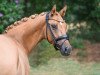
x=60, y=23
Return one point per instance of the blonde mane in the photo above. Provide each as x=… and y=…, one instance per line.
x=21, y=21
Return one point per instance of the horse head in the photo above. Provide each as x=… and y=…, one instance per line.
x=56, y=29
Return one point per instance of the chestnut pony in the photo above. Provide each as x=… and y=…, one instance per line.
x=22, y=36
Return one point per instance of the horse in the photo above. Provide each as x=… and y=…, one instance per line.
x=18, y=40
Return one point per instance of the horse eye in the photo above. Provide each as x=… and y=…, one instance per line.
x=54, y=26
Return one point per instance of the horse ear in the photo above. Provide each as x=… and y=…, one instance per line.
x=63, y=11
x=53, y=10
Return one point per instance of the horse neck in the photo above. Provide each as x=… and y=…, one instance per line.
x=30, y=33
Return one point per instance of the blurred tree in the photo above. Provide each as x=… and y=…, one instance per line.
x=88, y=11
x=78, y=11
x=9, y=12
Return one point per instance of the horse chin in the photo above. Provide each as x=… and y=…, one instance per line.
x=64, y=54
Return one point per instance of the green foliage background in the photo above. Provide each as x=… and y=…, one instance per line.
x=78, y=11
x=11, y=12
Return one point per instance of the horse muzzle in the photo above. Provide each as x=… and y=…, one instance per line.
x=61, y=45
x=65, y=50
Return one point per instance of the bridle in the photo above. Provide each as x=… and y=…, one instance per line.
x=55, y=40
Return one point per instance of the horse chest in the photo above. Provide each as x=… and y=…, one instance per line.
x=13, y=60
x=23, y=64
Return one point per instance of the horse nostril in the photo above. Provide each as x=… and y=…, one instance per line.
x=68, y=50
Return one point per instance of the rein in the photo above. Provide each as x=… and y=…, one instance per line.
x=55, y=40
